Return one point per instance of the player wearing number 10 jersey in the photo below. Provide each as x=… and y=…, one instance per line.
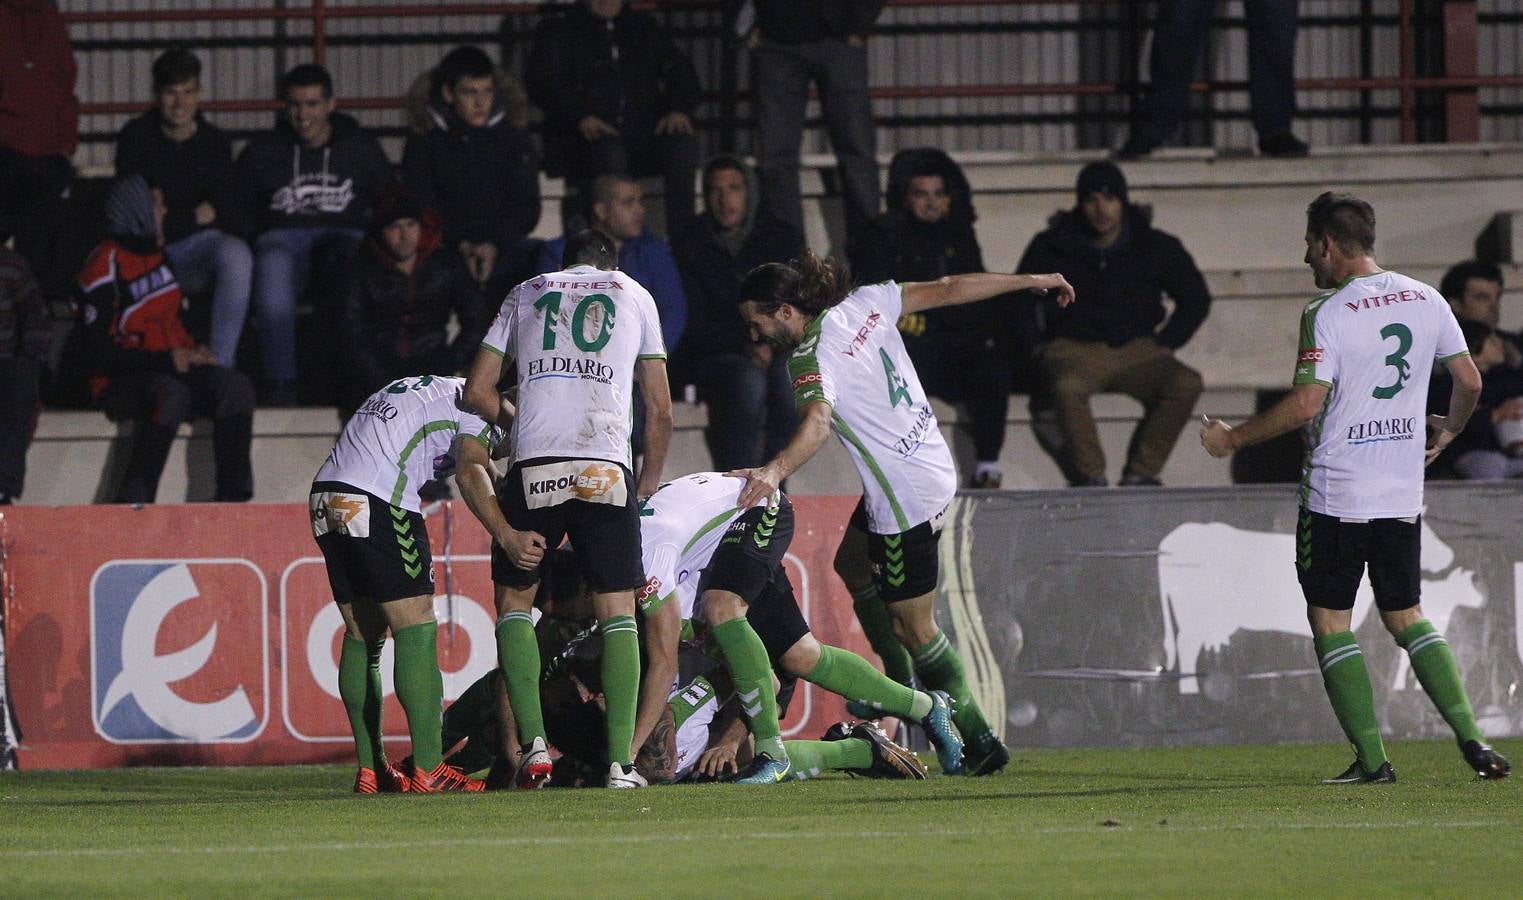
x=1360, y=388
x=580, y=339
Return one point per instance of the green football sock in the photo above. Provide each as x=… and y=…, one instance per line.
x=359, y=685
x=1348, y=688
x=420, y=688
x=848, y=675
x=1433, y=662
x=940, y=669
x=746, y=658
x=810, y=758
x=621, y=684
x=518, y=655
x=879, y=628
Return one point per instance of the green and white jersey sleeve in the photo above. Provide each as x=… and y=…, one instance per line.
x=680, y=528
x=403, y=436
x=575, y=336
x=853, y=358
x=1373, y=343
x=694, y=706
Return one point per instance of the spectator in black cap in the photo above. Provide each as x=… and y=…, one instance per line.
x=1116, y=338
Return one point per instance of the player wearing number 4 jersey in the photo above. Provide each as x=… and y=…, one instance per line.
x=580, y=339
x=851, y=375
x=1360, y=388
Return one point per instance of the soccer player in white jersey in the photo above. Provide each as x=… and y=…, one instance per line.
x=580, y=339
x=851, y=375
x=1360, y=389
x=368, y=522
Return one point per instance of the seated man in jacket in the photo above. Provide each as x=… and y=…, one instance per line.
x=143, y=364
x=400, y=297
x=1111, y=340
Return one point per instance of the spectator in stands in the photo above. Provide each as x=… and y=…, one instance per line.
x=404, y=288
x=1111, y=340
x=39, y=130
x=1179, y=34
x=144, y=365
x=1474, y=291
x=793, y=44
x=308, y=187
x=1491, y=446
x=962, y=353
x=476, y=165
x=618, y=210
x=618, y=97
x=745, y=385
x=26, y=333
x=191, y=161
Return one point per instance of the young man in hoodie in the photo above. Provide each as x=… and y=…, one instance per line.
x=307, y=188
x=191, y=161
x=143, y=364
x=476, y=165
x=404, y=287
x=744, y=384
x=1117, y=339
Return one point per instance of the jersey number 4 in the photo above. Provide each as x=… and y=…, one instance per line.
x=1397, y=360
x=599, y=306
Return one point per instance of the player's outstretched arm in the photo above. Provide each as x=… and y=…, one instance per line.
x=524, y=548
x=662, y=629
x=657, y=393
x=813, y=430
x=1294, y=410
x=480, y=395
x=1462, y=399
x=950, y=290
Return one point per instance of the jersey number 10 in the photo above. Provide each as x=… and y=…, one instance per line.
x=550, y=306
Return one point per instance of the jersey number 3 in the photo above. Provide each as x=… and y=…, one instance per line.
x=1397, y=359
x=550, y=306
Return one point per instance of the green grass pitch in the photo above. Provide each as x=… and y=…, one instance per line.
x=1205, y=821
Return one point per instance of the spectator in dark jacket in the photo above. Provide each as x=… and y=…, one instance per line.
x=1489, y=447
x=307, y=188
x=745, y=385
x=191, y=161
x=618, y=97
x=404, y=288
x=1474, y=291
x=143, y=363
x=962, y=353
x=26, y=333
x=1111, y=340
x=476, y=165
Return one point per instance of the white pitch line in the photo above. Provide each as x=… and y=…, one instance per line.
x=755, y=835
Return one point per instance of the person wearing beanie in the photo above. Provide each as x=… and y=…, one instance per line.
x=141, y=362
x=1121, y=337
x=399, y=301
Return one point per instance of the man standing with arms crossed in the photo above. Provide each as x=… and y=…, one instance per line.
x=580, y=338
x=1367, y=350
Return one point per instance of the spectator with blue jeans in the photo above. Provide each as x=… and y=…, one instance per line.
x=308, y=188
x=191, y=161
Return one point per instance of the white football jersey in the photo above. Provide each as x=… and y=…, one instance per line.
x=403, y=436
x=853, y=358
x=1373, y=343
x=575, y=336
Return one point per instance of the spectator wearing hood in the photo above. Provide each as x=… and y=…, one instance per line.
x=143, y=364
x=962, y=353
x=745, y=385
x=191, y=161
x=1116, y=337
x=404, y=288
x=618, y=97
x=474, y=162
x=308, y=188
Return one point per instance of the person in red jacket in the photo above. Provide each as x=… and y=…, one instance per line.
x=39, y=127
x=144, y=365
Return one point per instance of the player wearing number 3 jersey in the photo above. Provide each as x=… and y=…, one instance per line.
x=1366, y=352
x=580, y=339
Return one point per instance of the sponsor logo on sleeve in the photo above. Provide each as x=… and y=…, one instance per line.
x=1310, y=355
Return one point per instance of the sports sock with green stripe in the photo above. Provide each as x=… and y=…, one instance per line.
x=359, y=686
x=811, y=758
x=940, y=669
x=621, y=683
x=879, y=628
x=1433, y=662
x=420, y=688
x=746, y=657
x=518, y=655
x=848, y=675
x=1348, y=688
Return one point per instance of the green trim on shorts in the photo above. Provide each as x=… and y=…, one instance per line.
x=400, y=491
x=872, y=464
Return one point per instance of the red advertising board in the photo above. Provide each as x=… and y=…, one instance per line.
x=205, y=634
